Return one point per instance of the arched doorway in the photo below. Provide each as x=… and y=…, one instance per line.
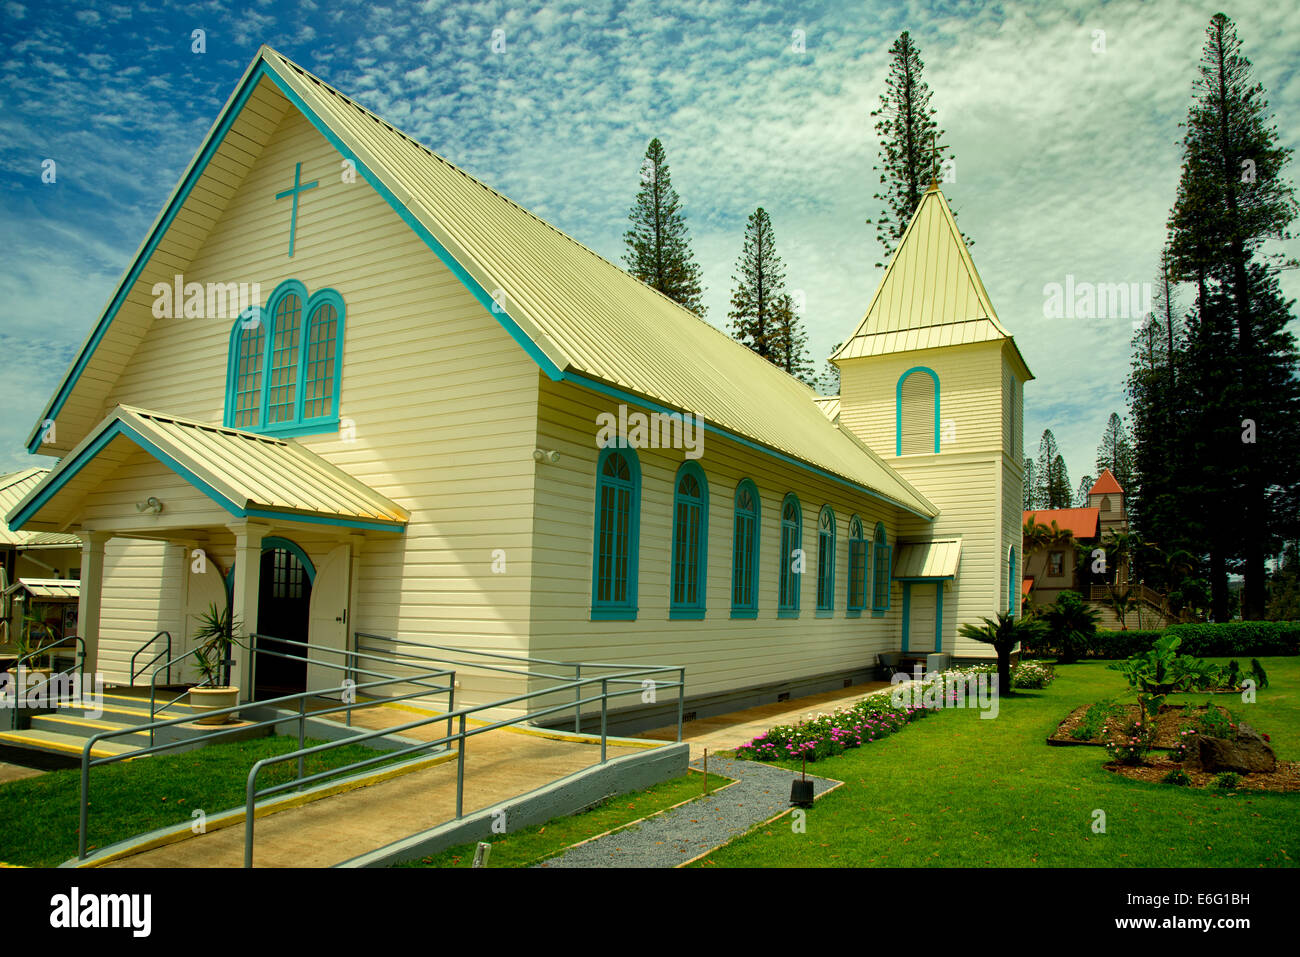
x=286, y=576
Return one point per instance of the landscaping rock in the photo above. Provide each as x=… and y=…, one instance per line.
x=1245, y=752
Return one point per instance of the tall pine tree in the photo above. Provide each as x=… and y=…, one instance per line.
x=791, y=341
x=1232, y=197
x=756, y=296
x=908, y=134
x=1116, y=452
x=658, y=249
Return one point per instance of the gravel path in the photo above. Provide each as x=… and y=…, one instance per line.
x=669, y=839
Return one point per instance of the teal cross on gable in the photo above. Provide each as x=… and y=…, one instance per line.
x=294, y=191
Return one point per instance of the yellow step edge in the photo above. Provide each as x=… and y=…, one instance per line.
x=94, y=723
x=37, y=744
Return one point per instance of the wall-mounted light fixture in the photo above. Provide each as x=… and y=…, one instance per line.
x=545, y=457
x=150, y=505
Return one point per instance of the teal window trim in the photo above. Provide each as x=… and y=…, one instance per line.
x=882, y=562
x=612, y=608
x=746, y=532
x=938, y=617
x=857, y=590
x=296, y=424
x=687, y=566
x=1013, y=590
x=268, y=543
x=826, y=562
x=898, y=407
x=789, y=581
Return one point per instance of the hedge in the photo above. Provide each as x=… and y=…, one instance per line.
x=1205, y=640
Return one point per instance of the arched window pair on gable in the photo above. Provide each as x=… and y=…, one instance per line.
x=284, y=364
x=917, y=412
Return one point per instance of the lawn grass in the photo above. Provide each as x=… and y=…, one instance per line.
x=957, y=790
x=39, y=816
x=532, y=844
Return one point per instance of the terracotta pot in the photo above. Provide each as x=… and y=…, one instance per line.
x=214, y=699
x=32, y=680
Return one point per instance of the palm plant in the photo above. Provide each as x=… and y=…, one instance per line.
x=216, y=635
x=1123, y=602
x=1003, y=633
x=1071, y=624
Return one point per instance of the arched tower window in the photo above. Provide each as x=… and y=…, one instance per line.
x=917, y=416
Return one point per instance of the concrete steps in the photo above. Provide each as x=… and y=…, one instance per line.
x=62, y=731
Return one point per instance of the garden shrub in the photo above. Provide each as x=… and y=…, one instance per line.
x=1177, y=777
x=1134, y=742
x=1228, y=779
x=1205, y=639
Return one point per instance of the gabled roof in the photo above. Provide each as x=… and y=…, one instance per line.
x=931, y=295
x=13, y=488
x=1079, y=522
x=248, y=475
x=1106, y=484
x=830, y=406
x=48, y=588
x=581, y=318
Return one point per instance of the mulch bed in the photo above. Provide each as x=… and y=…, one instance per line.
x=1168, y=722
x=1286, y=777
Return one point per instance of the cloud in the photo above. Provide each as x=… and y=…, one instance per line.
x=1067, y=158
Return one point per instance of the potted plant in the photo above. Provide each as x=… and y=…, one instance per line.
x=215, y=635
x=27, y=641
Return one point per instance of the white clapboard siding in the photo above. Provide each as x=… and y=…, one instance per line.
x=719, y=653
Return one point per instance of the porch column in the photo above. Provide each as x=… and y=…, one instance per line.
x=91, y=593
x=938, y=616
x=244, y=596
x=907, y=612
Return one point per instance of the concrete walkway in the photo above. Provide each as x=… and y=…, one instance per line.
x=675, y=837
x=499, y=764
x=728, y=731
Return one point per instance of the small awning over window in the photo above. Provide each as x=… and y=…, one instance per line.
x=48, y=589
x=927, y=561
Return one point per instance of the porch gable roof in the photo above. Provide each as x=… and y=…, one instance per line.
x=248, y=475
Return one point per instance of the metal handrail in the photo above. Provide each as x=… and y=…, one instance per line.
x=218, y=731
x=167, y=651
x=251, y=792
x=78, y=665
x=577, y=666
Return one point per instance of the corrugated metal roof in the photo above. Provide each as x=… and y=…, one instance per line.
x=931, y=295
x=13, y=489
x=830, y=406
x=579, y=316
x=928, y=560
x=242, y=471
x=49, y=588
x=586, y=315
x=1079, y=522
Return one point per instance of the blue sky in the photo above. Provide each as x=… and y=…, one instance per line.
x=1067, y=154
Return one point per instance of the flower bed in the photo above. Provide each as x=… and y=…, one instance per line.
x=876, y=716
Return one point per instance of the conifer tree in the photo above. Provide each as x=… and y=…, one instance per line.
x=909, y=136
x=1081, y=495
x=1030, y=493
x=1116, y=451
x=1232, y=197
x=792, y=341
x=757, y=291
x=1043, y=469
x=1058, y=486
x=658, y=249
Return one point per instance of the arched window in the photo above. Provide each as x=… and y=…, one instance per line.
x=247, y=352
x=826, y=562
x=1013, y=583
x=690, y=542
x=744, y=552
x=857, y=568
x=881, y=564
x=791, y=558
x=283, y=368
x=618, y=506
x=1105, y=503
x=917, y=415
